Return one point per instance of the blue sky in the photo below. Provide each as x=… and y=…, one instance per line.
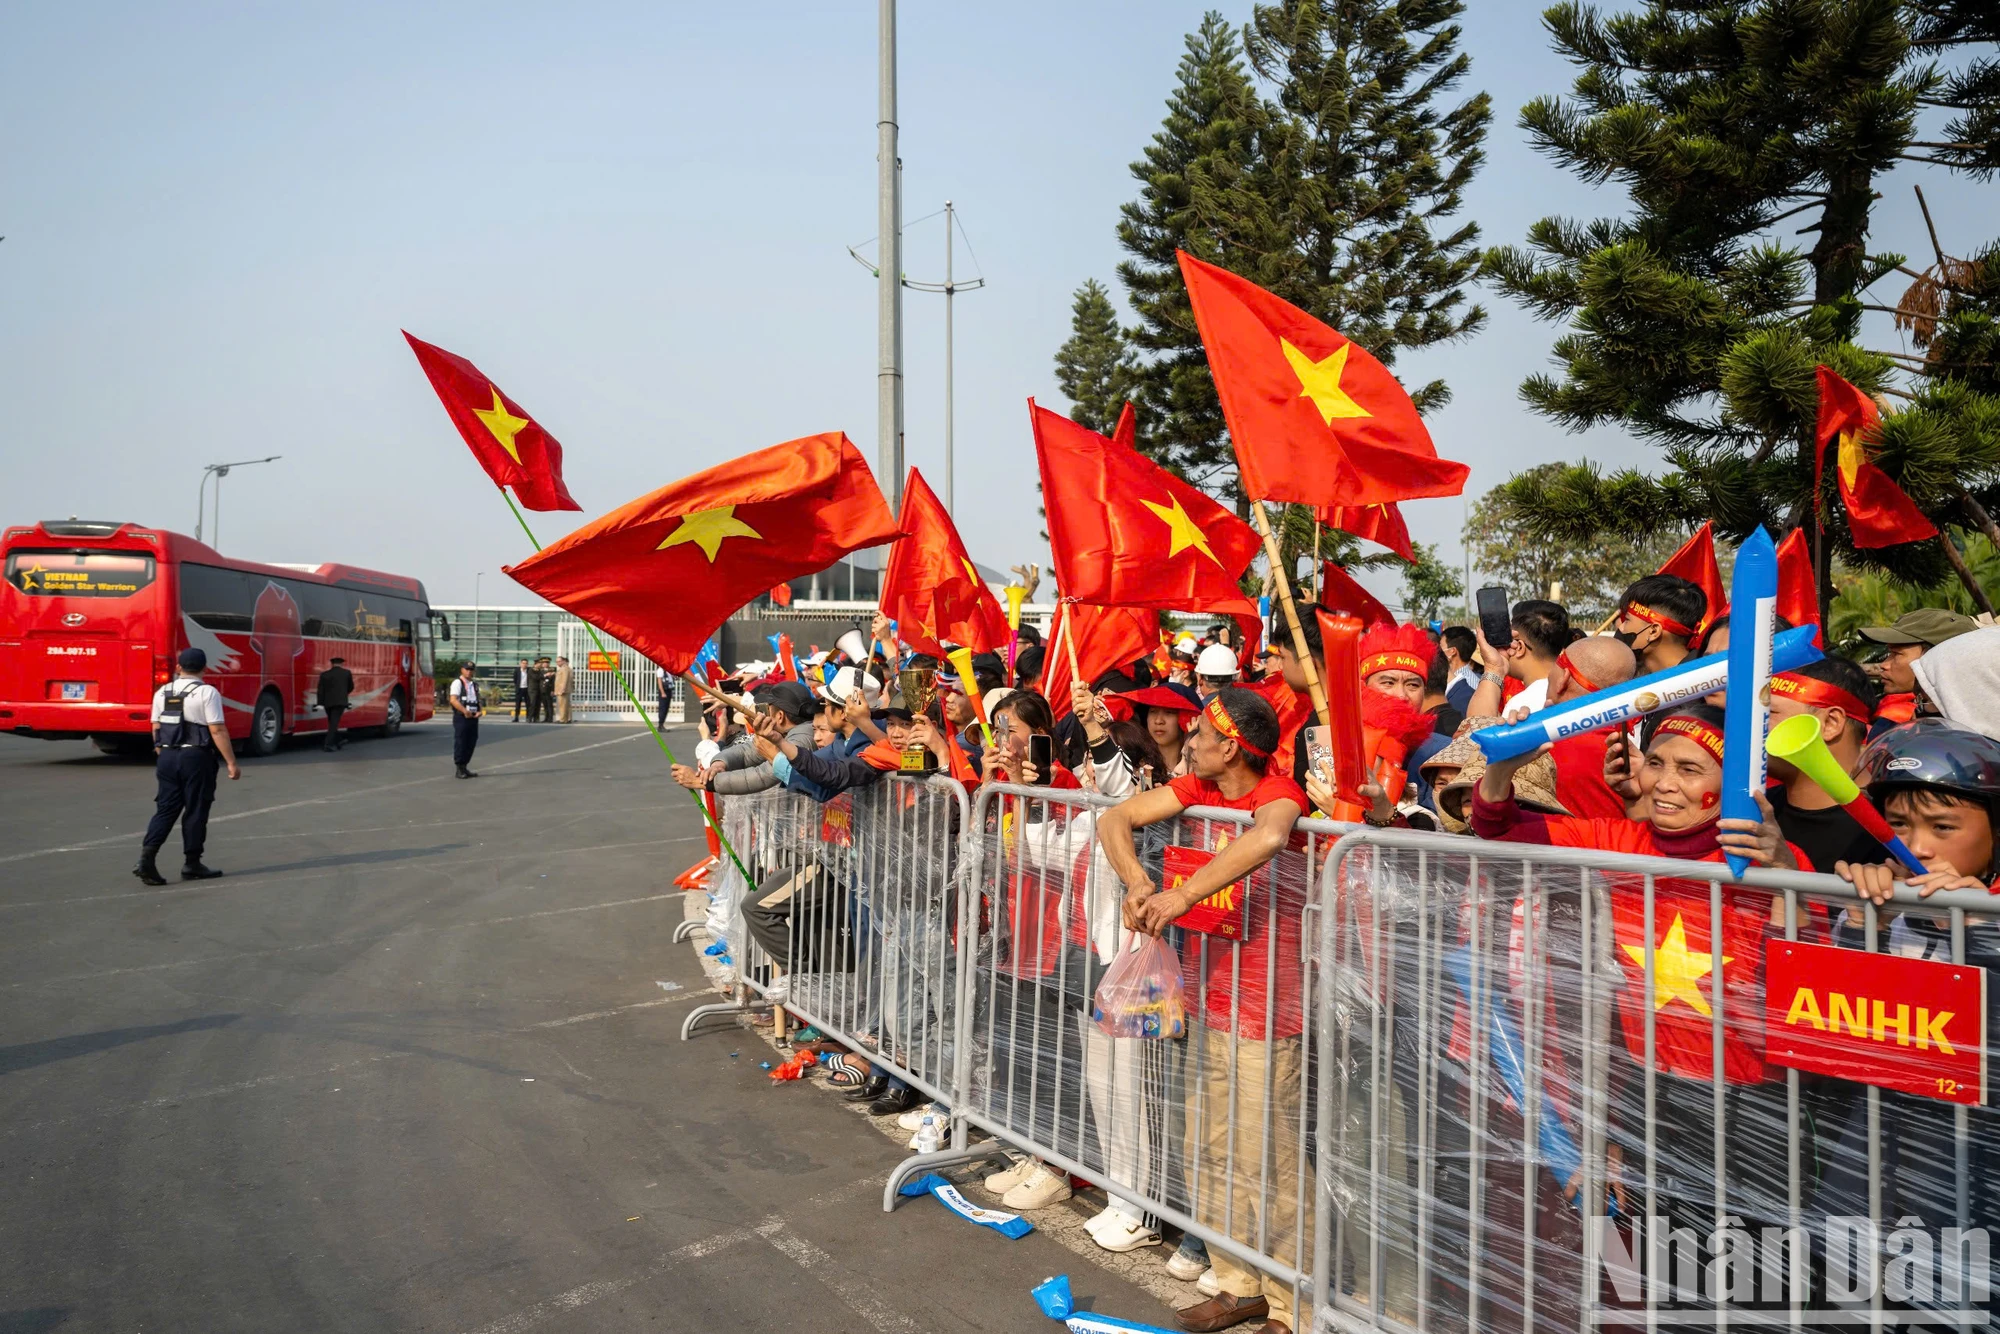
x=633, y=217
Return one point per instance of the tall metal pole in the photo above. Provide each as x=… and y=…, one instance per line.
x=889, y=276
x=947, y=357
x=216, y=541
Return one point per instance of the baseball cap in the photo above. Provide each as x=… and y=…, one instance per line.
x=1929, y=626
x=793, y=698
x=193, y=660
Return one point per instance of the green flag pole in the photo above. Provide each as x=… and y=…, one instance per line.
x=633, y=695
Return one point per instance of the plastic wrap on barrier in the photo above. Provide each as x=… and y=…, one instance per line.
x=1208, y=1130
x=1562, y=1094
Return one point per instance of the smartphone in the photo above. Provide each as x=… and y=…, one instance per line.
x=1042, y=754
x=1496, y=621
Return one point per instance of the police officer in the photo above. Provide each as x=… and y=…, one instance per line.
x=189, y=737
x=465, y=710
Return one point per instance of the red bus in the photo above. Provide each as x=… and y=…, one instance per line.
x=93, y=615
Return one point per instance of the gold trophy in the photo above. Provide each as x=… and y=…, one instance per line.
x=919, y=691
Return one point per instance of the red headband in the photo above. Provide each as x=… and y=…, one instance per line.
x=1562, y=661
x=1218, y=718
x=1695, y=730
x=1395, y=660
x=1661, y=619
x=1820, y=695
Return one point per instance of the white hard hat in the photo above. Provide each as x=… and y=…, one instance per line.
x=842, y=686
x=1216, y=660
x=1186, y=646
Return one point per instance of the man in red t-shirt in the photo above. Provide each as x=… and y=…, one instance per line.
x=1243, y=1033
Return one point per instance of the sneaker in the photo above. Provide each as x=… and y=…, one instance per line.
x=1189, y=1262
x=1002, y=1182
x=1100, y=1219
x=1124, y=1233
x=930, y=1134
x=1208, y=1285
x=1041, y=1189
x=916, y=1116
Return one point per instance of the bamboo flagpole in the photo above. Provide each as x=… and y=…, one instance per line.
x=1284, y=583
x=652, y=726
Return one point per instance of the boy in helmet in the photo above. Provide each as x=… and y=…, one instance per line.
x=1938, y=786
x=1214, y=668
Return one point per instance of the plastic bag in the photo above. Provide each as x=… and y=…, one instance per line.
x=1140, y=994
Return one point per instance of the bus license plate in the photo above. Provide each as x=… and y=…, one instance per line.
x=76, y=689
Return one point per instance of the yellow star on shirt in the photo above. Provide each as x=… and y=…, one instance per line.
x=1677, y=970
x=707, y=529
x=1182, y=531
x=1852, y=456
x=504, y=425
x=1320, y=382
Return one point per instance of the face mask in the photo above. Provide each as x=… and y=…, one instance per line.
x=1627, y=638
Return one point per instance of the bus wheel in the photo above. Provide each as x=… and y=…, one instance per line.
x=392, y=719
x=267, y=725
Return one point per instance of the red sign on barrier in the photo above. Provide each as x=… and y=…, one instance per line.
x=601, y=662
x=1914, y=1025
x=1221, y=913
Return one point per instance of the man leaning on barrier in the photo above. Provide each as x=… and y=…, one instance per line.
x=1229, y=756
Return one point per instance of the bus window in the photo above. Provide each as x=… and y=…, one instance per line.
x=425, y=665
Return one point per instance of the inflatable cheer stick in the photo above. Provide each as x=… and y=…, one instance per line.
x=961, y=662
x=1797, y=739
x=1617, y=705
x=1340, y=638
x=1016, y=595
x=1753, y=602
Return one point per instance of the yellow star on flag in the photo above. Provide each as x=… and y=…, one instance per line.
x=707, y=529
x=1182, y=531
x=1852, y=456
x=1677, y=970
x=504, y=424
x=1320, y=382
x=970, y=569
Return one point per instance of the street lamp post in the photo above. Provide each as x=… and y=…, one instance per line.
x=219, y=471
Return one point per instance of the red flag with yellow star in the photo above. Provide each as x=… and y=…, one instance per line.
x=1377, y=523
x=1105, y=638
x=1314, y=418
x=1878, y=513
x=930, y=588
x=513, y=449
x=1798, y=595
x=663, y=572
x=1125, y=532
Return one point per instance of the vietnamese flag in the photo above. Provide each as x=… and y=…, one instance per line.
x=1125, y=532
x=1126, y=432
x=1378, y=523
x=1106, y=638
x=1314, y=419
x=930, y=588
x=1798, y=595
x=1338, y=592
x=663, y=572
x=509, y=444
x=1878, y=513
x=1695, y=562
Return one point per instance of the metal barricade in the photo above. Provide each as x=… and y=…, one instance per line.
x=1548, y=1103
x=849, y=922
x=1209, y=1131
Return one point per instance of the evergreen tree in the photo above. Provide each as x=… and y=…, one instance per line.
x=1094, y=368
x=1371, y=164
x=1204, y=188
x=1686, y=323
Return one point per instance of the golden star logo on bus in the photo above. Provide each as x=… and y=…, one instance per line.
x=1320, y=382
x=708, y=529
x=1852, y=456
x=28, y=581
x=504, y=425
x=1182, y=531
x=1677, y=970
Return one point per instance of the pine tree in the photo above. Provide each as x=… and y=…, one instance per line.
x=1372, y=165
x=1686, y=323
x=1204, y=188
x=1094, y=368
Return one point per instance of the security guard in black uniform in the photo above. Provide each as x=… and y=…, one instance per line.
x=189, y=737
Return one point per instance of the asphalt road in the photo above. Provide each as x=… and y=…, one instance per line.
x=413, y=1064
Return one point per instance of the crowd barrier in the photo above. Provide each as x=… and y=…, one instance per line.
x=1426, y=1082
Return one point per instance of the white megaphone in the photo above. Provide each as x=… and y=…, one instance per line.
x=853, y=645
